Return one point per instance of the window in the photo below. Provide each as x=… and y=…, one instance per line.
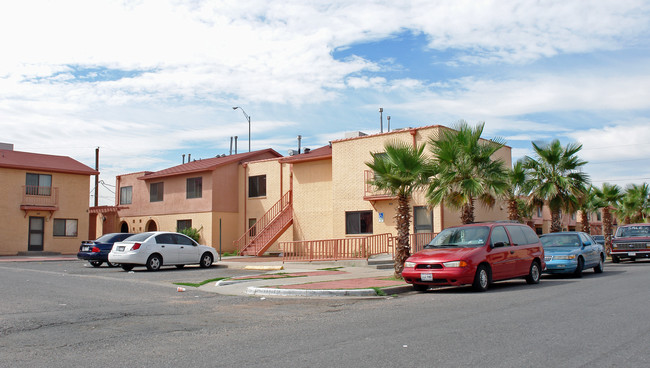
x=422, y=219
x=599, y=217
x=126, y=195
x=252, y=230
x=183, y=224
x=65, y=227
x=358, y=222
x=522, y=235
x=38, y=184
x=539, y=211
x=257, y=186
x=499, y=235
x=156, y=192
x=573, y=215
x=194, y=188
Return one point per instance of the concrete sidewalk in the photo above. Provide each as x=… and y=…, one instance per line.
x=302, y=279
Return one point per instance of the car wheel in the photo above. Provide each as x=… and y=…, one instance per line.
x=206, y=260
x=615, y=259
x=112, y=264
x=420, y=287
x=534, y=273
x=481, y=279
x=601, y=265
x=95, y=263
x=180, y=266
x=127, y=267
x=154, y=262
x=581, y=265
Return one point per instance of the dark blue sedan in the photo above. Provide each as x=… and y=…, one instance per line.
x=572, y=252
x=96, y=251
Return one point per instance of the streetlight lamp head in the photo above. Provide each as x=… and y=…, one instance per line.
x=235, y=107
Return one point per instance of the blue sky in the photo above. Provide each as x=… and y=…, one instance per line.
x=150, y=80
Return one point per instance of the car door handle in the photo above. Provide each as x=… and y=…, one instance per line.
x=182, y=247
x=512, y=252
x=162, y=246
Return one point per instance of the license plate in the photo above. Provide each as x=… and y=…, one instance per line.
x=631, y=254
x=85, y=249
x=426, y=276
x=120, y=248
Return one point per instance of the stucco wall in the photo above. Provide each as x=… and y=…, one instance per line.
x=73, y=199
x=312, y=207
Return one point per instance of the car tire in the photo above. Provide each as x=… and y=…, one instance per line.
x=206, y=260
x=601, y=265
x=112, y=264
x=615, y=259
x=420, y=287
x=95, y=263
x=579, y=268
x=481, y=279
x=127, y=267
x=154, y=262
x=180, y=266
x=534, y=273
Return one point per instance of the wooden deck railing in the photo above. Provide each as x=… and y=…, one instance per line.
x=40, y=196
x=348, y=248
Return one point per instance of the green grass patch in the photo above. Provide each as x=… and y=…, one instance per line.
x=191, y=284
x=379, y=291
x=330, y=268
x=393, y=278
x=228, y=254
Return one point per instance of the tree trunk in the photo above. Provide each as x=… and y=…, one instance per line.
x=403, y=221
x=607, y=229
x=467, y=217
x=584, y=219
x=556, y=224
x=513, y=210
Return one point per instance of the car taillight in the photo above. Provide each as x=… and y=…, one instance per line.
x=135, y=246
x=95, y=250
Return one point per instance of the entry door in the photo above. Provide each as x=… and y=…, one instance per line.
x=36, y=234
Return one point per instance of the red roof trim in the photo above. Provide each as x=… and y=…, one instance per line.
x=322, y=153
x=41, y=162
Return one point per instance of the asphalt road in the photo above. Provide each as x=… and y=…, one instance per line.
x=64, y=314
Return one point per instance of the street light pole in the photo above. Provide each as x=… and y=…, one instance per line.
x=249, y=125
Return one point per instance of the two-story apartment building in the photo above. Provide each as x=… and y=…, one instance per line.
x=44, y=202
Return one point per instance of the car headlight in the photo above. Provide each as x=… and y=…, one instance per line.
x=573, y=256
x=455, y=264
x=409, y=264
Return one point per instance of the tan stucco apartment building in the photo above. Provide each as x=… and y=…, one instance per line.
x=43, y=201
x=316, y=194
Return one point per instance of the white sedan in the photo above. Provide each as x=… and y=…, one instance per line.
x=154, y=249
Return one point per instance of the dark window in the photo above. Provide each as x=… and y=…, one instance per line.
x=517, y=235
x=65, y=227
x=257, y=186
x=194, y=187
x=599, y=217
x=422, y=219
x=156, y=192
x=499, y=235
x=530, y=235
x=183, y=240
x=126, y=195
x=165, y=239
x=358, y=222
x=183, y=224
x=251, y=223
x=38, y=184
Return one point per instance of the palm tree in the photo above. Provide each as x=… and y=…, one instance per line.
x=609, y=195
x=517, y=181
x=465, y=170
x=634, y=206
x=556, y=178
x=588, y=204
x=402, y=170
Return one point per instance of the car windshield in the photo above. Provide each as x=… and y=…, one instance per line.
x=471, y=236
x=560, y=240
x=640, y=231
x=138, y=237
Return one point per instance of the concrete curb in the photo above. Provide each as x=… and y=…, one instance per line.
x=309, y=292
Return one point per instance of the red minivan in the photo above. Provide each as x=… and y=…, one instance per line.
x=477, y=254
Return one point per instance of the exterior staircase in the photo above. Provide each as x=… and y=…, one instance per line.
x=256, y=240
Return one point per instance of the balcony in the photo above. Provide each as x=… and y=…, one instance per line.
x=37, y=198
x=371, y=193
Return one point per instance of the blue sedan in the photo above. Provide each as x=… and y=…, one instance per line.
x=96, y=251
x=572, y=252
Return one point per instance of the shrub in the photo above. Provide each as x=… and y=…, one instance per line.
x=192, y=233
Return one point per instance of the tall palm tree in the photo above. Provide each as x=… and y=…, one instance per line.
x=556, y=178
x=465, y=170
x=588, y=204
x=609, y=195
x=402, y=170
x=517, y=181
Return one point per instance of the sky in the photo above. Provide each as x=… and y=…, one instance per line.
x=147, y=81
